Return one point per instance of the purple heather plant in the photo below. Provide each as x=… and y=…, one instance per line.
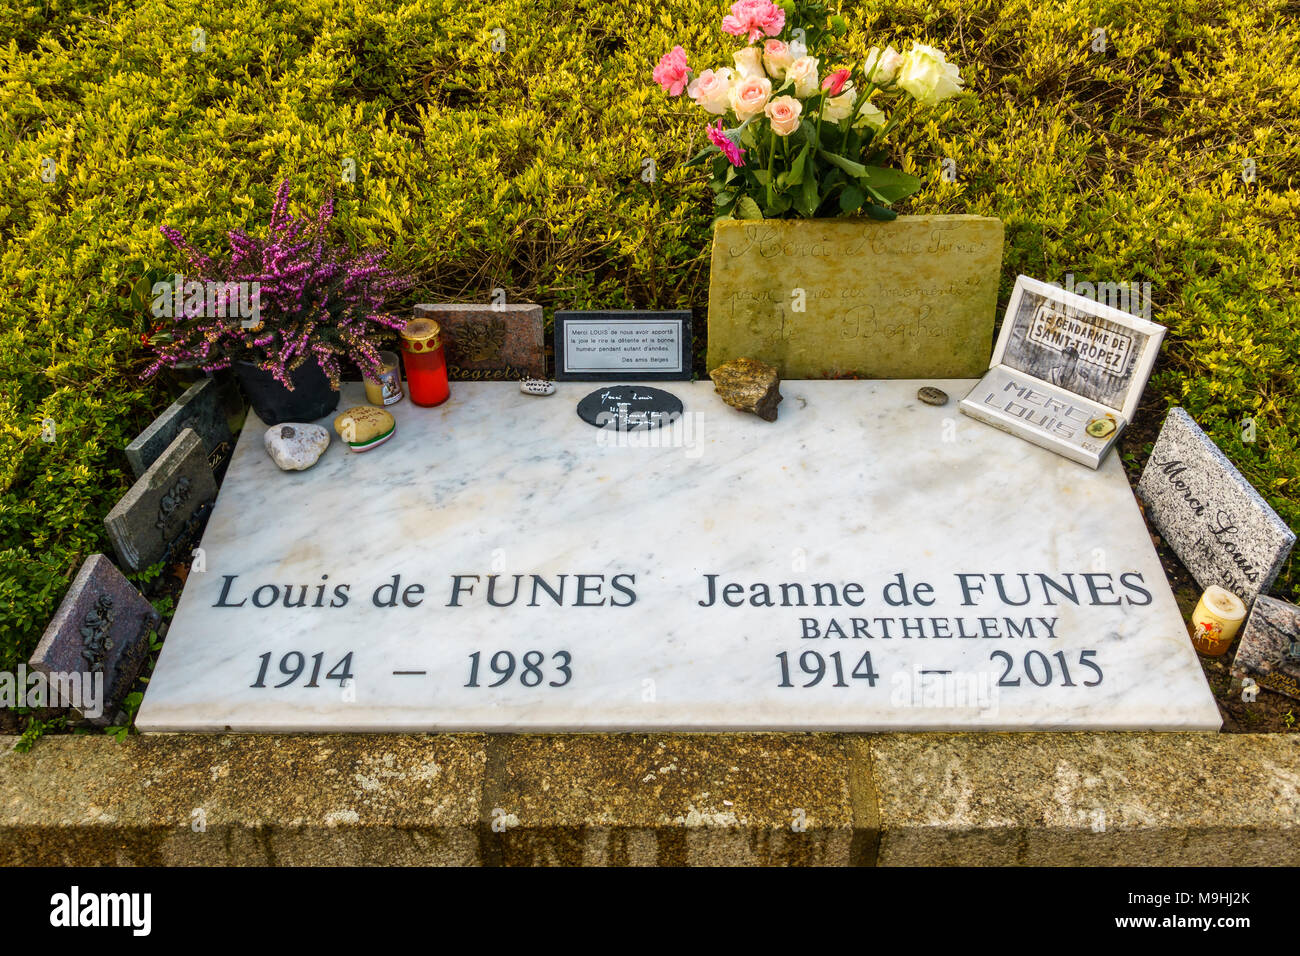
x=318, y=300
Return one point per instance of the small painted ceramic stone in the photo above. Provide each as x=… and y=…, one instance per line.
x=537, y=386
x=364, y=427
x=295, y=446
x=932, y=396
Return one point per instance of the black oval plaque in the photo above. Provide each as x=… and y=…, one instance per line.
x=629, y=407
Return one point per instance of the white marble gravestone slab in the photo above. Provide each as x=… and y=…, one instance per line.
x=646, y=539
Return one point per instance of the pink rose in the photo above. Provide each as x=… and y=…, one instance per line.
x=672, y=72
x=784, y=112
x=753, y=19
x=750, y=95
x=711, y=90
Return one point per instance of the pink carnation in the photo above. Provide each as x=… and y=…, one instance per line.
x=753, y=19
x=718, y=137
x=672, y=73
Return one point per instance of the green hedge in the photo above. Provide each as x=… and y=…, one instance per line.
x=521, y=169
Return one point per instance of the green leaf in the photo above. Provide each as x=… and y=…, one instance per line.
x=808, y=200
x=746, y=208
x=856, y=170
x=795, y=176
x=851, y=199
x=889, y=185
x=701, y=156
x=724, y=197
x=881, y=213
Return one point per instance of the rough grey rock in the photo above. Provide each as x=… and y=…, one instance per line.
x=750, y=386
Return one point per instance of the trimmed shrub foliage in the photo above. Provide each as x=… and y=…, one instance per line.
x=522, y=169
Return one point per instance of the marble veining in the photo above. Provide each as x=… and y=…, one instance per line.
x=640, y=536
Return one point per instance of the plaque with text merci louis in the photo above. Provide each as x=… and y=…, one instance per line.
x=632, y=346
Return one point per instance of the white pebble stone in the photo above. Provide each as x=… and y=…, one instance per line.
x=537, y=386
x=295, y=446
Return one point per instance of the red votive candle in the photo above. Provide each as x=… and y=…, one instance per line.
x=425, y=361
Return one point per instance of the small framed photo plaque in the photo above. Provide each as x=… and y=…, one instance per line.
x=1067, y=372
x=622, y=346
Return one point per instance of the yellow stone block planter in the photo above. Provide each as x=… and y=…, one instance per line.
x=823, y=298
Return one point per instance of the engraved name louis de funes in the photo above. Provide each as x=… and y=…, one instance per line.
x=1086, y=354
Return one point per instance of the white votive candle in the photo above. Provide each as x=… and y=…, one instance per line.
x=1215, y=621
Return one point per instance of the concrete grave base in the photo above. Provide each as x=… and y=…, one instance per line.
x=671, y=799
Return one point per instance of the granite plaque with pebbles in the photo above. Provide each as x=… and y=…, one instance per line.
x=1213, y=518
x=490, y=343
x=505, y=567
x=200, y=408
x=1269, y=651
x=622, y=345
x=163, y=504
x=96, y=643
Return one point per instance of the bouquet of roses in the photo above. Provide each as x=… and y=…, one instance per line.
x=793, y=138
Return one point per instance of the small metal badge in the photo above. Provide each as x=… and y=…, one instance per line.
x=1101, y=427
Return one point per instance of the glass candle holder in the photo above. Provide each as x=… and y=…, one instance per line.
x=386, y=389
x=426, y=362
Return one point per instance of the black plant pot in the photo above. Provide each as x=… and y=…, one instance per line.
x=311, y=398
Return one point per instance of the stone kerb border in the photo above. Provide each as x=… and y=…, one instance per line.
x=890, y=799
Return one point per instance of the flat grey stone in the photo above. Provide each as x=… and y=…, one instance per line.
x=200, y=408
x=159, y=505
x=1213, y=518
x=100, y=632
x=1269, y=650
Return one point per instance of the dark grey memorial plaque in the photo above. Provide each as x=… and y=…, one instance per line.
x=199, y=408
x=99, y=639
x=158, y=507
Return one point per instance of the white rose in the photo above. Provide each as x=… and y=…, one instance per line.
x=749, y=96
x=749, y=62
x=927, y=76
x=776, y=57
x=712, y=90
x=839, y=107
x=869, y=115
x=803, y=73
x=886, y=69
